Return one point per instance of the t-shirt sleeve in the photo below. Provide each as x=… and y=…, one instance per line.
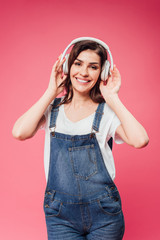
x=112, y=130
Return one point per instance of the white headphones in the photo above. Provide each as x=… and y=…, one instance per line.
x=106, y=66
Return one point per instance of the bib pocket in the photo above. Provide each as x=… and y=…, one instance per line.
x=83, y=160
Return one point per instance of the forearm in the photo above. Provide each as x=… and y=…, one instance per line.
x=134, y=132
x=26, y=125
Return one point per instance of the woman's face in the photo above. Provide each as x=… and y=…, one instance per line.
x=85, y=71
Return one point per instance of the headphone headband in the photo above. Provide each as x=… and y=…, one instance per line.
x=92, y=39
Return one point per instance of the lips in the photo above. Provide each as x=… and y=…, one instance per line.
x=82, y=80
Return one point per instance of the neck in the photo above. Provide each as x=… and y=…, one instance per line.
x=79, y=100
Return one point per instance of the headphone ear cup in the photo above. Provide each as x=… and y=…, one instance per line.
x=65, y=64
x=105, y=70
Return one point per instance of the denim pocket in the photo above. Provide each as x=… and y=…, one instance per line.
x=109, y=205
x=83, y=159
x=52, y=207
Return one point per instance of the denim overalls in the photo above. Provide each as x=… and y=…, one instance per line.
x=81, y=200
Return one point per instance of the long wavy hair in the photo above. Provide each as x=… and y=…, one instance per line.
x=95, y=94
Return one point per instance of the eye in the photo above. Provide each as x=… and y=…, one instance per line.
x=77, y=63
x=94, y=67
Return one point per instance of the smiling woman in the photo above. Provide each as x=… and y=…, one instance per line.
x=85, y=71
x=81, y=197
x=86, y=56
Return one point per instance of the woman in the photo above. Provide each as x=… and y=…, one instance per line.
x=81, y=199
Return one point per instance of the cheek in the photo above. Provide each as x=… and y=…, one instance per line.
x=72, y=74
x=96, y=75
x=73, y=70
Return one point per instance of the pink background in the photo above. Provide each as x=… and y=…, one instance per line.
x=33, y=34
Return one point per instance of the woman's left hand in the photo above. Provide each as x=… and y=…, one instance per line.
x=112, y=85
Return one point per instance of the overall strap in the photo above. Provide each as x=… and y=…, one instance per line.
x=98, y=117
x=54, y=113
x=97, y=120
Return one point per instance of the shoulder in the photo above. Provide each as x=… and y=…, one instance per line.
x=52, y=105
x=108, y=112
x=57, y=100
x=110, y=121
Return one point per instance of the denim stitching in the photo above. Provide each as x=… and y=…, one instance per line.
x=94, y=164
x=54, y=112
x=69, y=138
x=81, y=147
x=106, y=212
x=104, y=195
x=98, y=117
x=56, y=215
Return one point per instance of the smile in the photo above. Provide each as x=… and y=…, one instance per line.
x=82, y=80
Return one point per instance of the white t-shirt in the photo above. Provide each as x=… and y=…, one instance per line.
x=108, y=126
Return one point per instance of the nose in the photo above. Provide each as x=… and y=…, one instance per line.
x=84, y=71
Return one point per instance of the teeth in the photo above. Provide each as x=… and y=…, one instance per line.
x=80, y=80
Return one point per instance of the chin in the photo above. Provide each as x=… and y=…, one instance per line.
x=81, y=91
x=82, y=88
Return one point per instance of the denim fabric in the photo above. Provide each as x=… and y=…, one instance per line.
x=81, y=200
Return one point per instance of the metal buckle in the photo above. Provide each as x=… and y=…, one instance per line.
x=93, y=132
x=53, y=130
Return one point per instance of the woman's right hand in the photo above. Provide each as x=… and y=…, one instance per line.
x=27, y=125
x=57, y=77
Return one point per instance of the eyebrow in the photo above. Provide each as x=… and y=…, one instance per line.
x=89, y=63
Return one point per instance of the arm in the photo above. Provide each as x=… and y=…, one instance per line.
x=130, y=130
x=28, y=124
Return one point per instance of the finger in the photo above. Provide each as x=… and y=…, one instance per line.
x=114, y=69
x=59, y=69
x=60, y=66
x=109, y=80
x=61, y=63
x=55, y=66
x=63, y=60
x=60, y=56
x=58, y=61
x=115, y=72
x=64, y=77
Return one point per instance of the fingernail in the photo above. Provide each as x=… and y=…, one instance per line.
x=104, y=83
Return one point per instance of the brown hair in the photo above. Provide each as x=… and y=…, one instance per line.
x=95, y=94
